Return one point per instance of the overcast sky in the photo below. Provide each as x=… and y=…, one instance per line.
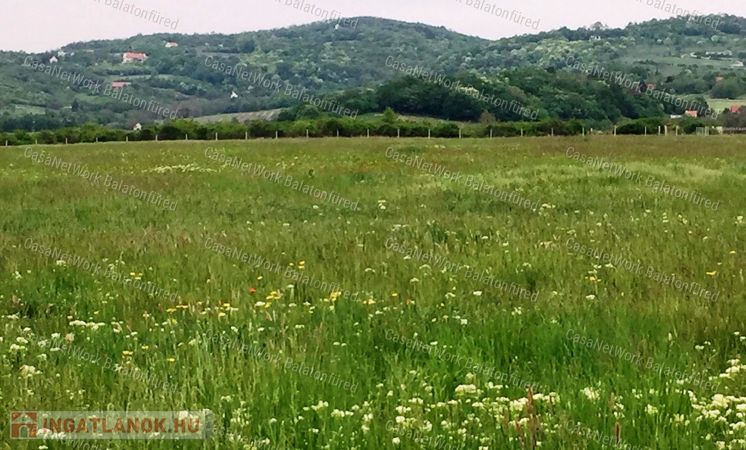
x=39, y=25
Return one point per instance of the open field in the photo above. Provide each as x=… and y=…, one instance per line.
x=269, y=114
x=382, y=293
x=719, y=104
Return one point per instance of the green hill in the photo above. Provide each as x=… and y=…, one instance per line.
x=198, y=77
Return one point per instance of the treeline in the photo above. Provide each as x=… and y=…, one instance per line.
x=517, y=95
x=385, y=126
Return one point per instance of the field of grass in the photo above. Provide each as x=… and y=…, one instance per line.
x=719, y=104
x=553, y=293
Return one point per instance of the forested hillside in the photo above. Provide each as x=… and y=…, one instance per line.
x=363, y=68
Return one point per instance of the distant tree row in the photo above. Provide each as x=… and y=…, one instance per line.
x=388, y=125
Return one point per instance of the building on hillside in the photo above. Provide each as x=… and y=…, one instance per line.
x=233, y=95
x=130, y=57
x=172, y=44
x=53, y=60
x=137, y=127
x=119, y=84
x=692, y=113
x=735, y=109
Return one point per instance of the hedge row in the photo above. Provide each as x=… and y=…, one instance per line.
x=329, y=127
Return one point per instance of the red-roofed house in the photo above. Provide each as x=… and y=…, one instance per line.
x=693, y=113
x=735, y=109
x=129, y=57
x=119, y=84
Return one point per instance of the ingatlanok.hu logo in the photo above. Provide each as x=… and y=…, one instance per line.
x=111, y=425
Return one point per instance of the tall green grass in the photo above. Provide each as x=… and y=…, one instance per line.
x=337, y=340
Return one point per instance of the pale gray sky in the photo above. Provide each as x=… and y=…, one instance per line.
x=39, y=25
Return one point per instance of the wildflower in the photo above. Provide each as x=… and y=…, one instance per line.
x=28, y=371
x=719, y=401
x=320, y=405
x=591, y=393
x=466, y=389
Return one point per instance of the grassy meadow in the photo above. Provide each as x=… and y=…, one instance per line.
x=552, y=293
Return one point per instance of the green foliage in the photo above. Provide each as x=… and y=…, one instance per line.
x=356, y=66
x=729, y=88
x=641, y=126
x=389, y=116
